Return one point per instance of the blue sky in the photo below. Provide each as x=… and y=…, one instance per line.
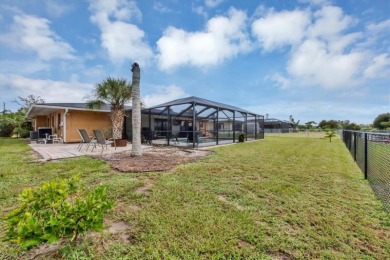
x=315, y=60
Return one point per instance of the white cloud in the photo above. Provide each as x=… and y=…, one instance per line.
x=278, y=29
x=322, y=54
x=213, y=3
x=200, y=10
x=283, y=82
x=56, y=8
x=122, y=40
x=339, y=44
x=313, y=64
x=123, y=10
x=32, y=33
x=330, y=21
x=379, y=27
x=159, y=7
x=379, y=68
x=50, y=90
x=315, y=2
x=164, y=94
x=223, y=38
x=23, y=66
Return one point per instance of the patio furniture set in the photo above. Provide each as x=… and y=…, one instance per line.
x=97, y=140
x=44, y=136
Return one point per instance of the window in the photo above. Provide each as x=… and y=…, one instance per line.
x=238, y=126
x=221, y=126
x=160, y=126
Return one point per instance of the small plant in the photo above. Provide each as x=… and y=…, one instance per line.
x=241, y=138
x=329, y=134
x=57, y=209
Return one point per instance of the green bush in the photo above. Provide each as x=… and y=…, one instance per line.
x=6, y=129
x=241, y=138
x=22, y=132
x=57, y=209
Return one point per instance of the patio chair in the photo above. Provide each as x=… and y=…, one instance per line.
x=85, y=139
x=101, y=140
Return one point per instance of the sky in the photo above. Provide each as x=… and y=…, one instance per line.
x=312, y=59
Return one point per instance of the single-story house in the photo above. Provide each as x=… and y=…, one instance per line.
x=273, y=125
x=213, y=122
x=64, y=118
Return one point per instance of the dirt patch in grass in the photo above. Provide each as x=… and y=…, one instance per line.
x=156, y=159
x=148, y=184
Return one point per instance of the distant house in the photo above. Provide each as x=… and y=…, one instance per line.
x=273, y=125
x=211, y=123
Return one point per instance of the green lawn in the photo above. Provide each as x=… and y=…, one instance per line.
x=278, y=198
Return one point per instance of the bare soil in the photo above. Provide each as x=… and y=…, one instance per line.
x=155, y=159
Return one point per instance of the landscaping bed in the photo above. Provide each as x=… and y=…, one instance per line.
x=156, y=159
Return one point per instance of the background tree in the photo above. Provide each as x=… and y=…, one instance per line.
x=347, y=125
x=16, y=123
x=26, y=102
x=295, y=124
x=116, y=92
x=385, y=125
x=293, y=121
x=332, y=124
x=309, y=125
x=379, y=119
x=136, y=149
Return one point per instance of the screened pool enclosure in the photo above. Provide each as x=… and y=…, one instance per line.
x=193, y=122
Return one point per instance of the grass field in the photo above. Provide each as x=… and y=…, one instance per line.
x=278, y=198
x=304, y=134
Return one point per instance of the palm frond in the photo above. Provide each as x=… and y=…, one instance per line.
x=95, y=104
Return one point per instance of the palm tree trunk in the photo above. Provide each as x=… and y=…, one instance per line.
x=117, y=123
x=136, y=113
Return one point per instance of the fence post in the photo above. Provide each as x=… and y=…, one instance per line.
x=354, y=145
x=365, y=155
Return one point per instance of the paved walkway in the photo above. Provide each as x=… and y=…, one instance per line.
x=60, y=151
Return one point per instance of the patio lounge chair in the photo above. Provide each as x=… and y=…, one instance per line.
x=85, y=139
x=101, y=140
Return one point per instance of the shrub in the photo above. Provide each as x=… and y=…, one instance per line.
x=329, y=134
x=22, y=132
x=6, y=129
x=57, y=209
x=241, y=138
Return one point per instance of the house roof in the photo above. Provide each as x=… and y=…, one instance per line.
x=202, y=102
x=47, y=108
x=275, y=120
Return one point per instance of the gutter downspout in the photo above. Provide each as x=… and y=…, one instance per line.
x=65, y=114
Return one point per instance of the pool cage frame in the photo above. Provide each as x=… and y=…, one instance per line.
x=191, y=121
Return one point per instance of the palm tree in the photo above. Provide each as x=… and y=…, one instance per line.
x=116, y=92
x=329, y=134
x=136, y=112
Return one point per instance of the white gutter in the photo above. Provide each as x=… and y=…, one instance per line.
x=62, y=107
x=64, y=126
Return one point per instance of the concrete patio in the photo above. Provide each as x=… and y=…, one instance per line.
x=59, y=151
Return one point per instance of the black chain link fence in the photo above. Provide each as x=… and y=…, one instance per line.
x=371, y=152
